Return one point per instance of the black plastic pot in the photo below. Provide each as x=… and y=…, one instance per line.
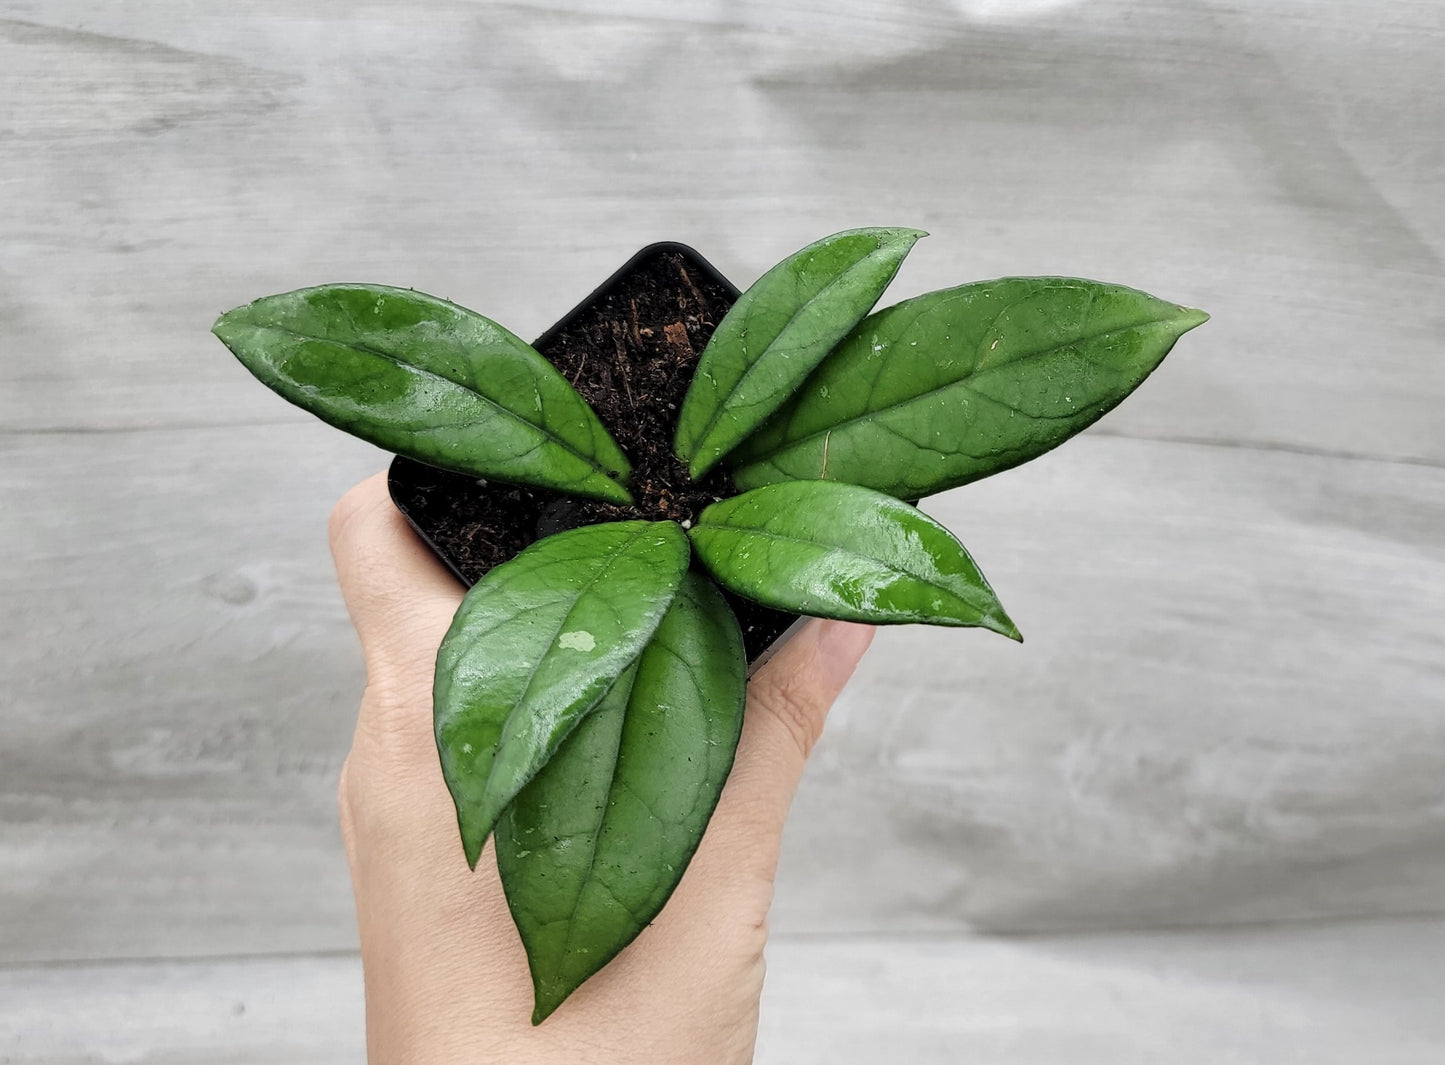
x=473, y=525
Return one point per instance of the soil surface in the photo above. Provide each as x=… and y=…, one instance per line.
x=630, y=351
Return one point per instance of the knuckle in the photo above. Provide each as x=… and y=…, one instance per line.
x=352, y=506
x=795, y=711
x=395, y=726
x=393, y=753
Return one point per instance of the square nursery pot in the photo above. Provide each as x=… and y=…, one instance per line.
x=630, y=349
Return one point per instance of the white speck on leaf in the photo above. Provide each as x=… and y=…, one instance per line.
x=580, y=640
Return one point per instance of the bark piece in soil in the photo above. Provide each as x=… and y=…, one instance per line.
x=630, y=350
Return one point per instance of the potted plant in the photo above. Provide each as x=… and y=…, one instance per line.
x=668, y=462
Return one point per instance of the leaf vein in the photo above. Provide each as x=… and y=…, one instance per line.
x=932, y=393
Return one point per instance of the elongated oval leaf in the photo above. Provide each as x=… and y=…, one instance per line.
x=535, y=645
x=778, y=331
x=840, y=551
x=955, y=385
x=592, y=848
x=430, y=380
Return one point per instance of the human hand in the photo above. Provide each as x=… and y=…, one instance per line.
x=446, y=976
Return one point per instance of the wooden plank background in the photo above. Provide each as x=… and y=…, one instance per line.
x=1231, y=706
x=1370, y=993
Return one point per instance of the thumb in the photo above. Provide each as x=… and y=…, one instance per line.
x=788, y=702
x=400, y=598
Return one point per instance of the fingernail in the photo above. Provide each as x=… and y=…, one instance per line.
x=840, y=645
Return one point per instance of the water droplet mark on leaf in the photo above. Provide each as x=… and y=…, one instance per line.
x=580, y=640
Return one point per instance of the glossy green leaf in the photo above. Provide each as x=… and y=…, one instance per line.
x=535, y=645
x=778, y=331
x=955, y=385
x=840, y=551
x=430, y=380
x=592, y=848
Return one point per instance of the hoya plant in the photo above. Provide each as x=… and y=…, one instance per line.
x=589, y=694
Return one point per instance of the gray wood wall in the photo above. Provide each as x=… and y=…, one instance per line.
x=1210, y=788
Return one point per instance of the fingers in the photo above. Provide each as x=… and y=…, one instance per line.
x=401, y=599
x=788, y=703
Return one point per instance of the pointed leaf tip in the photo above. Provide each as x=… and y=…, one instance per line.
x=777, y=332
x=592, y=848
x=1004, y=625
x=954, y=385
x=1192, y=318
x=836, y=550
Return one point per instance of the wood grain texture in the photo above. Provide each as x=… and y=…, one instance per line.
x=181, y=160
x=1299, y=995
x=1229, y=706
x=296, y=1010
x=182, y=688
x=1321, y=996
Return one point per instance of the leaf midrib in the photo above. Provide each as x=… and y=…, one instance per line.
x=723, y=407
x=485, y=399
x=963, y=381
x=852, y=553
x=477, y=638
x=614, y=782
x=602, y=571
x=596, y=839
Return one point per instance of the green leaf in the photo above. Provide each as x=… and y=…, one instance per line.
x=778, y=331
x=592, y=848
x=430, y=380
x=840, y=551
x=535, y=645
x=955, y=385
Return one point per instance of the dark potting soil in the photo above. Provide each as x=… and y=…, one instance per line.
x=630, y=351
